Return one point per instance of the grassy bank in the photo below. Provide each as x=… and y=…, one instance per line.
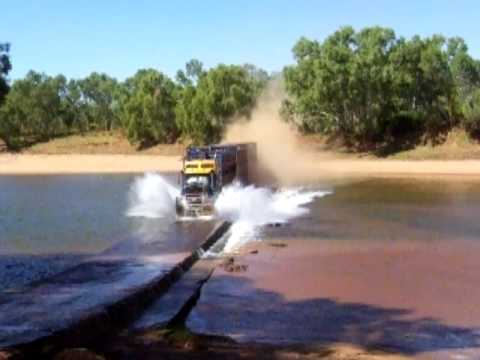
x=99, y=143
x=456, y=145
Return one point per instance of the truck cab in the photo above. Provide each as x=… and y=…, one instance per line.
x=198, y=187
x=205, y=171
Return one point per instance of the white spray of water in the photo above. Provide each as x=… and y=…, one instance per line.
x=151, y=196
x=247, y=207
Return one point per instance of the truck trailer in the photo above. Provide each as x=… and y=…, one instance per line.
x=206, y=170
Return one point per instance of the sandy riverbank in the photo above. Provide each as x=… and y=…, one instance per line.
x=313, y=168
x=26, y=164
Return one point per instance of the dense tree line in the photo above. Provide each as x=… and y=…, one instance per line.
x=209, y=99
x=372, y=87
x=149, y=107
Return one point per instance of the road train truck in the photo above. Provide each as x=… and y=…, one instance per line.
x=206, y=170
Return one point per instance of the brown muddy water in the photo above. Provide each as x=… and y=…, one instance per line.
x=392, y=210
x=391, y=261
x=386, y=263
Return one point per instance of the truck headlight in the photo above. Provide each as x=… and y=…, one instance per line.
x=181, y=202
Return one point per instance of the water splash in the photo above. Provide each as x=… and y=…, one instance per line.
x=152, y=196
x=249, y=208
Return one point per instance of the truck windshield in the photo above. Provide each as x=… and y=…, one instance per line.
x=196, y=183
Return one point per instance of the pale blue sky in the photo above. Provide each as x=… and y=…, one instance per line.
x=119, y=37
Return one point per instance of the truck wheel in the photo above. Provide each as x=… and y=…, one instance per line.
x=178, y=207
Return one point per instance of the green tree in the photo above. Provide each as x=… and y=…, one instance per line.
x=464, y=68
x=471, y=112
x=98, y=93
x=369, y=86
x=77, y=115
x=147, y=108
x=34, y=110
x=191, y=75
x=424, y=87
x=203, y=111
x=319, y=85
x=5, y=67
x=466, y=77
x=258, y=76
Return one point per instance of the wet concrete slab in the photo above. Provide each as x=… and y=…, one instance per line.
x=19, y=270
x=420, y=299
x=180, y=297
x=58, y=303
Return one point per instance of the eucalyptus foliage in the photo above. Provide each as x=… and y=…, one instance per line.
x=372, y=86
x=208, y=100
x=5, y=67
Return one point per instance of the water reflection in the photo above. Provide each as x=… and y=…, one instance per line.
x=394, y=210
x=62, y=214
x=51, y=223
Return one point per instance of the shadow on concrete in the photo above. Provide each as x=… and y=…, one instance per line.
x=19, y=270
x=233, y=306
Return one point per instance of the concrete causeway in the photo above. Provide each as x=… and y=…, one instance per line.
x=77, y=305
x=65, y=299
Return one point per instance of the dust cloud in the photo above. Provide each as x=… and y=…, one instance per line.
x=281, y=158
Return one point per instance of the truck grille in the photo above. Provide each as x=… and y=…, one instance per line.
x=193, y=199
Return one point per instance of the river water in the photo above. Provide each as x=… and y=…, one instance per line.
x=391, y=263
x=51, y=223
x=85, y=214
x=62, y=214
x=387, y=243
x=392, y=210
